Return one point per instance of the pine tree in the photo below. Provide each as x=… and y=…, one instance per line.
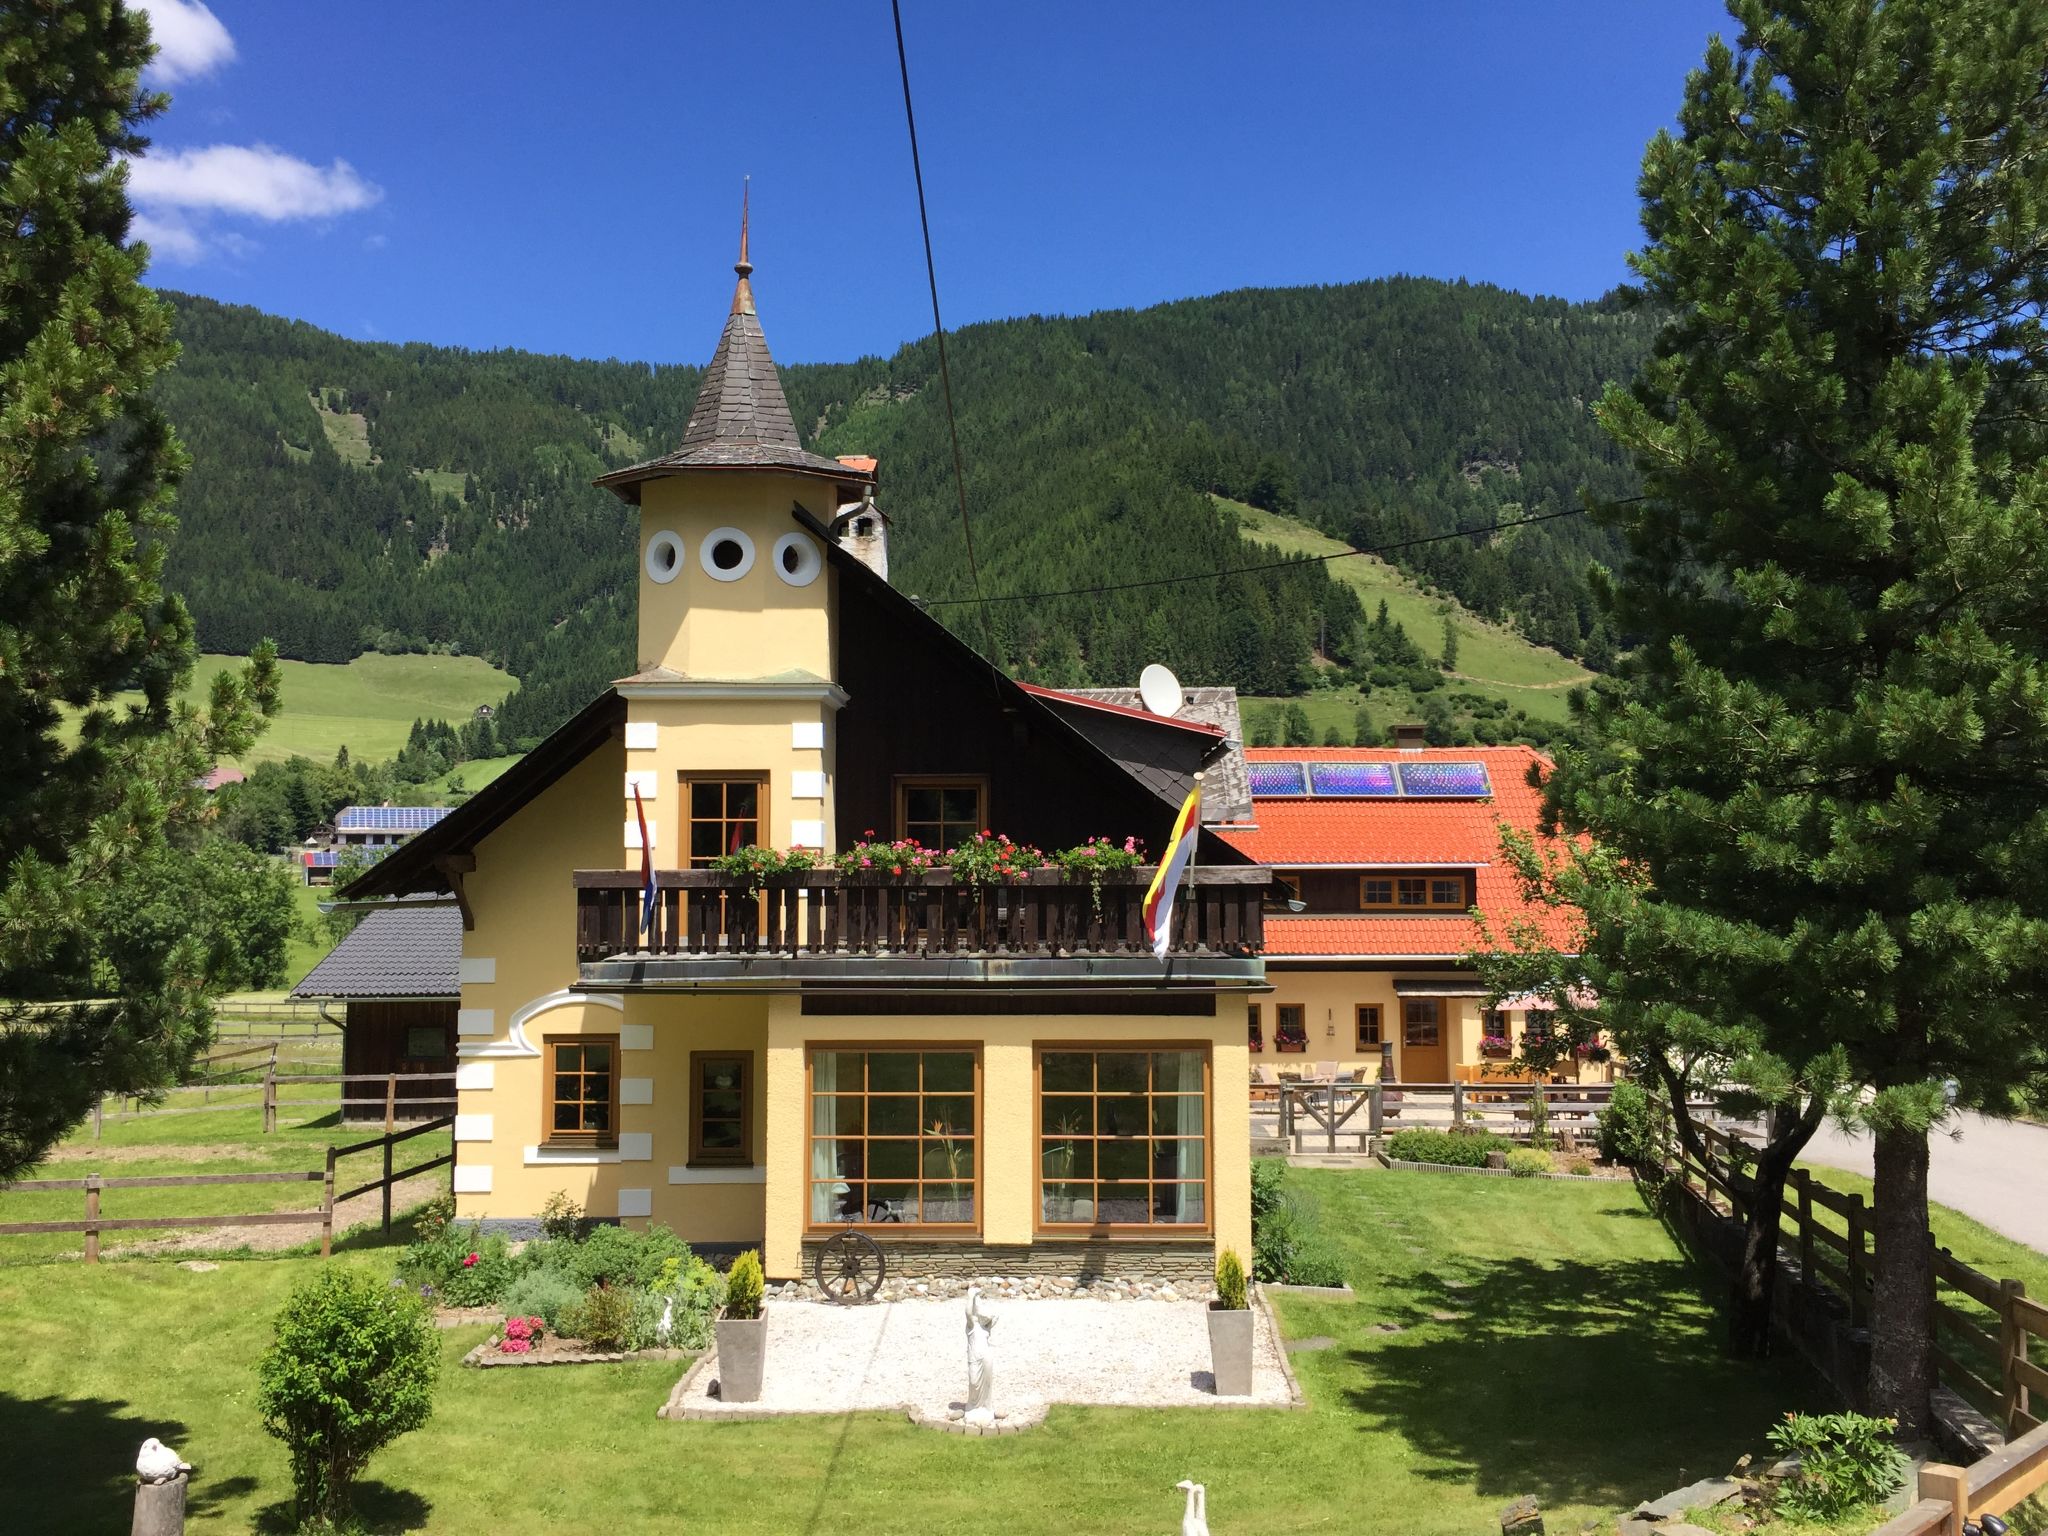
x=1820, y=779
x=1364, y=733
x=87, y=466
x=1450, y=656
x=1296, y=731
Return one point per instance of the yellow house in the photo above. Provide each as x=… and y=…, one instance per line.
x=1379, y=856
x=986, y=1079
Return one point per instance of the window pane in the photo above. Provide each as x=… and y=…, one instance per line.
x=949, y=1202
x=892, y=1116
x=1067, y=1117
x=949, y=1072
x=1446, y=893
x=1180, y=1159
x=566, y=1117
x=892, y=1072
x=1178, y=1203
x=1069, y=1159
x=961, y=803
x=707, y=801
x=836, y=1114
x=1120, y=1072
x=720, y=1135
x=707, y=839
x=567, y=1089
x=1061, y=1202
x=597, y=1117
x=1178, y=1114
x=1068, y=1071
x=836, y=1072
x=834, y=1159
x=920, y=802
x=891, y=1202
x=828, y=1203
x=597, y=1087
x=722, y=1074
x=1123, y=1159
x=1379, y=893
x=948, y=1159
x=892, y=1159
x=954, y=1116
x=1412, y=892
x=1121, y=1116
x=719, y=1104
x=1177, y=1072
x=1123, y=1202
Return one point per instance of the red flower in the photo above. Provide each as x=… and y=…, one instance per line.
x=469, y=1261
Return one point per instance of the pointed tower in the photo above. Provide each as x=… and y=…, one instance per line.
x=735, y=682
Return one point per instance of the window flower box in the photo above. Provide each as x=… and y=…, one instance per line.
x=1496, y=1047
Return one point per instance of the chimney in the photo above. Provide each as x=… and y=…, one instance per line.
x=861, y=527
x=1410, y=738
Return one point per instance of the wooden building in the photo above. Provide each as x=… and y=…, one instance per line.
x=396, y=978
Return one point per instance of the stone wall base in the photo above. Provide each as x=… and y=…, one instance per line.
x=1084, y=1262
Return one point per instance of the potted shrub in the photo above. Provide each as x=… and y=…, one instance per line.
x=742, y=1332
x=1230, y=1329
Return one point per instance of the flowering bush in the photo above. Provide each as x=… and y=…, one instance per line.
x=1097, y=858
x=754, y=863
x=902, y=857
x=990, y=858
x=521, y=1335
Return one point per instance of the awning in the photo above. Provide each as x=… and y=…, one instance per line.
x=1469, y=986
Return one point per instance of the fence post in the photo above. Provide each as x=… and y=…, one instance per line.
x=390, y=1102
x=1857, y=1310
x=1950, y=1485
x=1287, y=1117
x=1457, y=1105
x=1802, y=1181
x=2012, y=1348
x=270, y=1097
x=92, y=1218
x=1376, y=1111
x=99, y=1106
x=327, y=1209
x=1330, y=1118
x=387, y=1185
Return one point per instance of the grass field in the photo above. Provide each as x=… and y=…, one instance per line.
x=1487, y=652
x=1507, y=1338
x=310, y=942
x=465, y=779
x=369, y=704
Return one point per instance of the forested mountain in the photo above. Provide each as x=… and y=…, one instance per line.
x=350, y=495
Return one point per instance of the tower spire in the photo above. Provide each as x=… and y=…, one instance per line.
x=743, y=292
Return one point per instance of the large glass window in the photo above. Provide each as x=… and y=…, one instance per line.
x=893, y=1137
x=1123, y=1138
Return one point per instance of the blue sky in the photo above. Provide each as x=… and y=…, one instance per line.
x=566, y=178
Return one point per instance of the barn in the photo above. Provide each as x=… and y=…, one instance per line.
x=396, y=978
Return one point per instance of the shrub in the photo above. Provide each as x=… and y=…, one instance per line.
x=1847, y=1463
x=743, y=1286
x=1316, y=1264
x=1230, y=1281
x=351, y=1369
x=619, y=1256
x=1527, y=1162
x=1579, y=1167
x=603, y=1319
x=1459, y=1151
x=542, y=1293
x=1274, y=1229
x=434, y=1218
x=1628, y=1127
x=460, y=1267
x=521, y=1334
x=561, y=1219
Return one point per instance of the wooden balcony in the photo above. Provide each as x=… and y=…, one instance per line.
x=848, y=931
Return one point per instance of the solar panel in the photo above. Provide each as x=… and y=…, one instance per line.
x=1445, y=781
x=327, y=858
x=388, y=818
x=1277, y=778
x=1353, y=780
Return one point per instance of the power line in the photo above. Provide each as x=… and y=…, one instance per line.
x=1292, y=561
x=931, y=273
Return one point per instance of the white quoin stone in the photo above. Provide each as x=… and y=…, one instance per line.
x=643, y=735
x=807, y=736
x=633, y=833
x=636, y=1202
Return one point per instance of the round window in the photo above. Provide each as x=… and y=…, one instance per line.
x=797, y=560
x=664, y=557
x=726, y=554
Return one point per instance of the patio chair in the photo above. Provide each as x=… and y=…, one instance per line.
x=1265, y=1085
x=1326, y=1071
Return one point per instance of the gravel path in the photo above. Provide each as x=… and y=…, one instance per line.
x=913, y=1355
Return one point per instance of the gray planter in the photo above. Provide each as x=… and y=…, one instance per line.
x=742, y=1350
x=1230, y=1350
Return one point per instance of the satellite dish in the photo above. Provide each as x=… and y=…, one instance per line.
x=1160, y=691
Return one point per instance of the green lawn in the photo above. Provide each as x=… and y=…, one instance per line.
x=309, y=943
x=1490, y=654
x=369, y=704
x=1550, y=1340
x=465, y=779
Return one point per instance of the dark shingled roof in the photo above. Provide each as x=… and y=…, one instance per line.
x=1226, y=786
x=407, y=949
x=741, y=419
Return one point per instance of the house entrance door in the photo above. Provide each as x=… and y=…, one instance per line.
x=1425, y=1054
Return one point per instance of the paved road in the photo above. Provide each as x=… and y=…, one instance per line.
x=1996, y=1171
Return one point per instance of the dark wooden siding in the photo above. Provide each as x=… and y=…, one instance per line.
x=376, y=1043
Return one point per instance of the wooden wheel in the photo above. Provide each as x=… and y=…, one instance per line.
x=849, y=1268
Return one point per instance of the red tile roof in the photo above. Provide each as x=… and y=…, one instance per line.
x=1296, y=832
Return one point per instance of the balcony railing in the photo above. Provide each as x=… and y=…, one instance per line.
x=927, y=915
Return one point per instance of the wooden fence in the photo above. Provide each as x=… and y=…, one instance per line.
x=385, y=1092
x=93, y=1185
x=294, y=1018
x=1986, y=1330
x=1950, y=1495
x=1322, y=1112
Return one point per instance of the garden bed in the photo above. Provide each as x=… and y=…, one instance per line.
x=553, y=1349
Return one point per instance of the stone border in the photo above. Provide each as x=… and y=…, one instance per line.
x=1343, y=1291
x=1403, y=1166
x=674, y=1409
x=1007, y=1424
x=487, y=1357
x=1294, y=1397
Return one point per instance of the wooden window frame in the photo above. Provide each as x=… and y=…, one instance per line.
x=721, y=1157
x=1378, y=1022
x=903, y=783
x=1394, y=879
x=895, y=1231
x=1280, y=1013
x=685, y=782
x=1151, y=1231
x=1255, y=1028
x=1435, y=1023
x=551, y=1137
x=1288, y=881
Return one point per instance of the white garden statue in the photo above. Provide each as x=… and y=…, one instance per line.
x=981, y=1360
x=158, y=1463
x=1194, y=1520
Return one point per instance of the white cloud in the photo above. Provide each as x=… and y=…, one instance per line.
x=190, y=40
x=171, y=237
x=255, y=181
